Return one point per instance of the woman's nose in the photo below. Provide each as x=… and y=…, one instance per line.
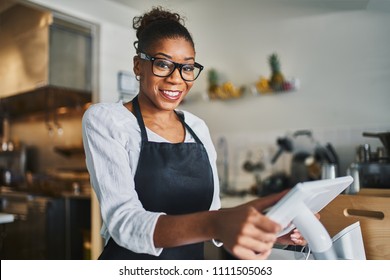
x=175, y=76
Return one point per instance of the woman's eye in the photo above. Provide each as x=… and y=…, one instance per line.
x=163, y=64
x=188, y=68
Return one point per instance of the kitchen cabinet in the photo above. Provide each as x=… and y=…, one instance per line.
x=77, y=226
x=371, y=208
x=45, y=228
x=37, y=231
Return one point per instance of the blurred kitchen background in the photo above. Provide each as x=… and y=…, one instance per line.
x=331, y=112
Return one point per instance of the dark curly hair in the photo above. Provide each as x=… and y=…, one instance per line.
x=159, y=24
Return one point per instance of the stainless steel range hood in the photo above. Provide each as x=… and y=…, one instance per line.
x=42, y=56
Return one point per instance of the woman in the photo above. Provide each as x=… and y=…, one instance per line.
x=153, y=167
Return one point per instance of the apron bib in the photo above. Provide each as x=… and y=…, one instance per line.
x=172, y=178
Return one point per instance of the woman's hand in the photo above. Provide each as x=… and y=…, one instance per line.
x=246, y=232
x=294, y=237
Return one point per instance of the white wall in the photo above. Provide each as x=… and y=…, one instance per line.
x=341, y=57
x=339, y=50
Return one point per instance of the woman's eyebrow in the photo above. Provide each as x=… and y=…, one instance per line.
x=170, y=57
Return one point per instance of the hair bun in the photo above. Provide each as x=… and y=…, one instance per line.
x=158, y=24
x=155, y=14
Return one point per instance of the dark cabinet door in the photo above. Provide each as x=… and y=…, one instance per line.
x=46, y=229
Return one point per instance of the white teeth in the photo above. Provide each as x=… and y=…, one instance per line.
x=171, y=93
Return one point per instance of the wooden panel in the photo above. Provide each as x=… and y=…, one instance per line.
x=374, y=192
x=372, y=212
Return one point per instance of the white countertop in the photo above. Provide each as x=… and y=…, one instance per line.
x=6, y=218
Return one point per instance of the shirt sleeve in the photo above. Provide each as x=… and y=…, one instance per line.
x=108, y=163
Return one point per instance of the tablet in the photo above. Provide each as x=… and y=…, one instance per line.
x=314, y=195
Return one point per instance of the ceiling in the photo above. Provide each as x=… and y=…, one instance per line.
x=146, y=4
x=379, y=5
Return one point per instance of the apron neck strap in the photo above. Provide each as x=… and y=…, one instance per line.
x=138, y=115
x=181, y=118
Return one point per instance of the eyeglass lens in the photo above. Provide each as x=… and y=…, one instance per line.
x=164, y=68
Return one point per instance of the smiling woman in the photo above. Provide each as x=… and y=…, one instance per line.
x=153, y=167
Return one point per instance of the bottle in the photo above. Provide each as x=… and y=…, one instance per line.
x=353, y=171
x=4, y=134
x=329, y=171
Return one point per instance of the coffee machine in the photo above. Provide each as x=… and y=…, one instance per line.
x=374, y=166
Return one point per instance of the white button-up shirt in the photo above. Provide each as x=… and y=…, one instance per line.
x=112, y=141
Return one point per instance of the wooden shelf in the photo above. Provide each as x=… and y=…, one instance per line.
x=69, y=151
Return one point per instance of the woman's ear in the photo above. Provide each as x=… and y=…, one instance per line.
x=136, y=65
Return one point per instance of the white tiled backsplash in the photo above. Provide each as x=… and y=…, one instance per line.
x=262, y=147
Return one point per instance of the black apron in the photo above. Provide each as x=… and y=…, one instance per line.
x=172, y=178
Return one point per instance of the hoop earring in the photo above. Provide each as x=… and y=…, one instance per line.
x=137, y=78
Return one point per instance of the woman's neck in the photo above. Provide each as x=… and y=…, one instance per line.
x=162, y=122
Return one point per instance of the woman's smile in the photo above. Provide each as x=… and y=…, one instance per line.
x=171, y=94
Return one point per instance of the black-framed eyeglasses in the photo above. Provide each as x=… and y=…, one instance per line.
x=162, y=67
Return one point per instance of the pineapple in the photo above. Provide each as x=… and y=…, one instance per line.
x=213, y=83
x=226, y=90
x=277, y=78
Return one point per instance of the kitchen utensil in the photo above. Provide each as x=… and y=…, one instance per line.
x=320, y=154
x=354, y=188
x=364, y=153
x=384, y=137
x=299, y=167
x=313, y=167
x=274, y=183
x=381, y=154
x=10, y=178
x=285, y=144
x=329, y=171
x=331, y=153
x=6, y=176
